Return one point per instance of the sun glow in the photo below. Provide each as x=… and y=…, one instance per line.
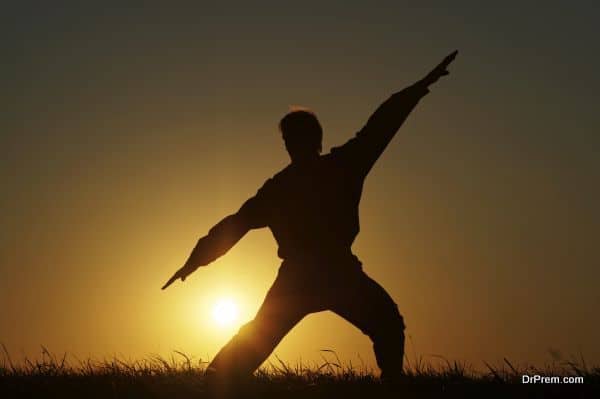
x=225, y=312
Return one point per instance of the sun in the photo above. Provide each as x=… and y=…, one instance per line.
x=225, y=312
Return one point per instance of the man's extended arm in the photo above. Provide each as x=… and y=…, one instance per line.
x=225, y=234
x=363, y=150
x=220, y=239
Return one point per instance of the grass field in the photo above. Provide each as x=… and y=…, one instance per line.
x=180, y=376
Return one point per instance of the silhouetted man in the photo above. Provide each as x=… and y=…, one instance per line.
x=311, y=207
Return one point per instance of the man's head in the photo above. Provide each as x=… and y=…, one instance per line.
x=302, y=135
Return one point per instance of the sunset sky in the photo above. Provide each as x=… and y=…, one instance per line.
x=126, y=133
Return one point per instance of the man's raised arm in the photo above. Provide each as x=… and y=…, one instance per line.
x=225, y=234
x=363, y=150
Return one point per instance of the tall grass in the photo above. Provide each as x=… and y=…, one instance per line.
x=181, y=375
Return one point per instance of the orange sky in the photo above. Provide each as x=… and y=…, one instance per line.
x=128, y=133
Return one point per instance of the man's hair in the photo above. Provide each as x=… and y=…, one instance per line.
x=302, y=126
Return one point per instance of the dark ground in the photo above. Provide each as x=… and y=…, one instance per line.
x=191, y=386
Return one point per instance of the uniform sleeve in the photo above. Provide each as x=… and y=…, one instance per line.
x=362, y=151
x=224, y=235
x=254, y=213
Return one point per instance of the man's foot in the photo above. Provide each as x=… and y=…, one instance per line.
x=393, y=379
x=224, y=385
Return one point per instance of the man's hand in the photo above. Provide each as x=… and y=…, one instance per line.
x=440, y=70
x=182, y=274
x=197, y=258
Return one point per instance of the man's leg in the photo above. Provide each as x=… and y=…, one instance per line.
x=370, y=308
x=281, y=310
